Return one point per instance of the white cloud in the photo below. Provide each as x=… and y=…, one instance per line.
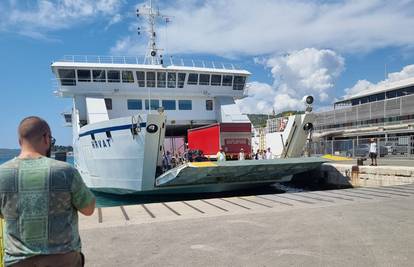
x=364, y=86
x=37, y=18
x=305, y=72
x=240, y=27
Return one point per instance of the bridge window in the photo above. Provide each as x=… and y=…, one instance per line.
x=172, y=79
x=84, y=76
x=108, y=103
x=216, y=80
x=134, y=104
x=67, y=77
x=181, y=80
x=239, y=82
x=150, y=79
x=204, y=79
x=99, y=76
x=114, y=76
x=227, y=80
x=185, y=105
x=161, y=78
x=209, y=104
x=169, y=104
x=127, y=76
x=192, y=78
x=141, y=78
x=155, y=104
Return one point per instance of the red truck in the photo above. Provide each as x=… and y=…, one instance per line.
x=231, y=136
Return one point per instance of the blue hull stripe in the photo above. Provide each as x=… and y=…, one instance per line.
x=110, y=129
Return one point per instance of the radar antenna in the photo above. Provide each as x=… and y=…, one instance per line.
x=151, y=16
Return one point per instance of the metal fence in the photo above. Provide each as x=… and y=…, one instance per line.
x=387, y=147
x=386, y=112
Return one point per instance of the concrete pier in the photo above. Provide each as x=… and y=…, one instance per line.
x=349, y=174
x=348, y=227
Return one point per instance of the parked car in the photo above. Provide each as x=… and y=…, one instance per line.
x=400, y=149
x=362, y=151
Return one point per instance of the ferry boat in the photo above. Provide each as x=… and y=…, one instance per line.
x=123, y=108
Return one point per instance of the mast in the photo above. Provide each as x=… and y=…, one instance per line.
x=151, y=16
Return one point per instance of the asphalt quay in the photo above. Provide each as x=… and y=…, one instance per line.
x=369, y=226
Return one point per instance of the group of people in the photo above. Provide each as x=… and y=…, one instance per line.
x=263, y=154
x=170, y=161
x=259, y=155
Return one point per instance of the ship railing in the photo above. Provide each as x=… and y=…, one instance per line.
x=167, y=61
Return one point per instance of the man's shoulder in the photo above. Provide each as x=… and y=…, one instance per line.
x=60, y=164
x=11, y=164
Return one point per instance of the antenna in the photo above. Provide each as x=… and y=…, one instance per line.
x=151, y=16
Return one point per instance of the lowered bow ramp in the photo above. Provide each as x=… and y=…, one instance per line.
x=237, y=172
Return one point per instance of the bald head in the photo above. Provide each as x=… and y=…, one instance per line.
x=32, y=129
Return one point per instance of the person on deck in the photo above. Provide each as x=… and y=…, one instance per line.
x=39, y=201
x=269, y=154
x=241, y=154
x=221, y=156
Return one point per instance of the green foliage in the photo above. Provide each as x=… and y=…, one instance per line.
x=259, y=120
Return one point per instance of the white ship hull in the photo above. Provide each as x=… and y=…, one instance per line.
x=120, y=153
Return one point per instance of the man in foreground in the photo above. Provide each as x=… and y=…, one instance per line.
x=39, y=201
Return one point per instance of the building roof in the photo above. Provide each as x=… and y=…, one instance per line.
x=381, y=88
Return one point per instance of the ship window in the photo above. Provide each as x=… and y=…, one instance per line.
x=172, y=79
x=141, y=78
x=216, y=80
x=168, y=104
x=204, y=79
x=114, y=76
x=134, y=104
x=84, y=75
x=209, y=104
x=192, y=78
x=68, y=118
x=99, y=76
x=161, y=76
x=155, y=104
x=150, y=79
x=227, y=80
x=239, y=82
x=67, y=77
x=185, y=105
x=127, y=76
x=108, y=103
x=181, y=80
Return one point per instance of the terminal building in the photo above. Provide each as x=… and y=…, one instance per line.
x=385, y=113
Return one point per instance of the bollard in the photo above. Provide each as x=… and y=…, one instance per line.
x=355, y=176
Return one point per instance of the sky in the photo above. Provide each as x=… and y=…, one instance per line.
x=329, y=49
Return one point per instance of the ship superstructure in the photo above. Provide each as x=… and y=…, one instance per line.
x=123, y=107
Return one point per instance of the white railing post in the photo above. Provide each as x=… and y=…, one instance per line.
x=202, y=62
x=212, y=62
x=223, y=66
x=182, y=62
x=193, y=63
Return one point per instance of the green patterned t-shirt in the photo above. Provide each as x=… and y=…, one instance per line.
x=39, y=199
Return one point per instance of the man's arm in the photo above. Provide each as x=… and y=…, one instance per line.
x=82, y=198
x=88, y=210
